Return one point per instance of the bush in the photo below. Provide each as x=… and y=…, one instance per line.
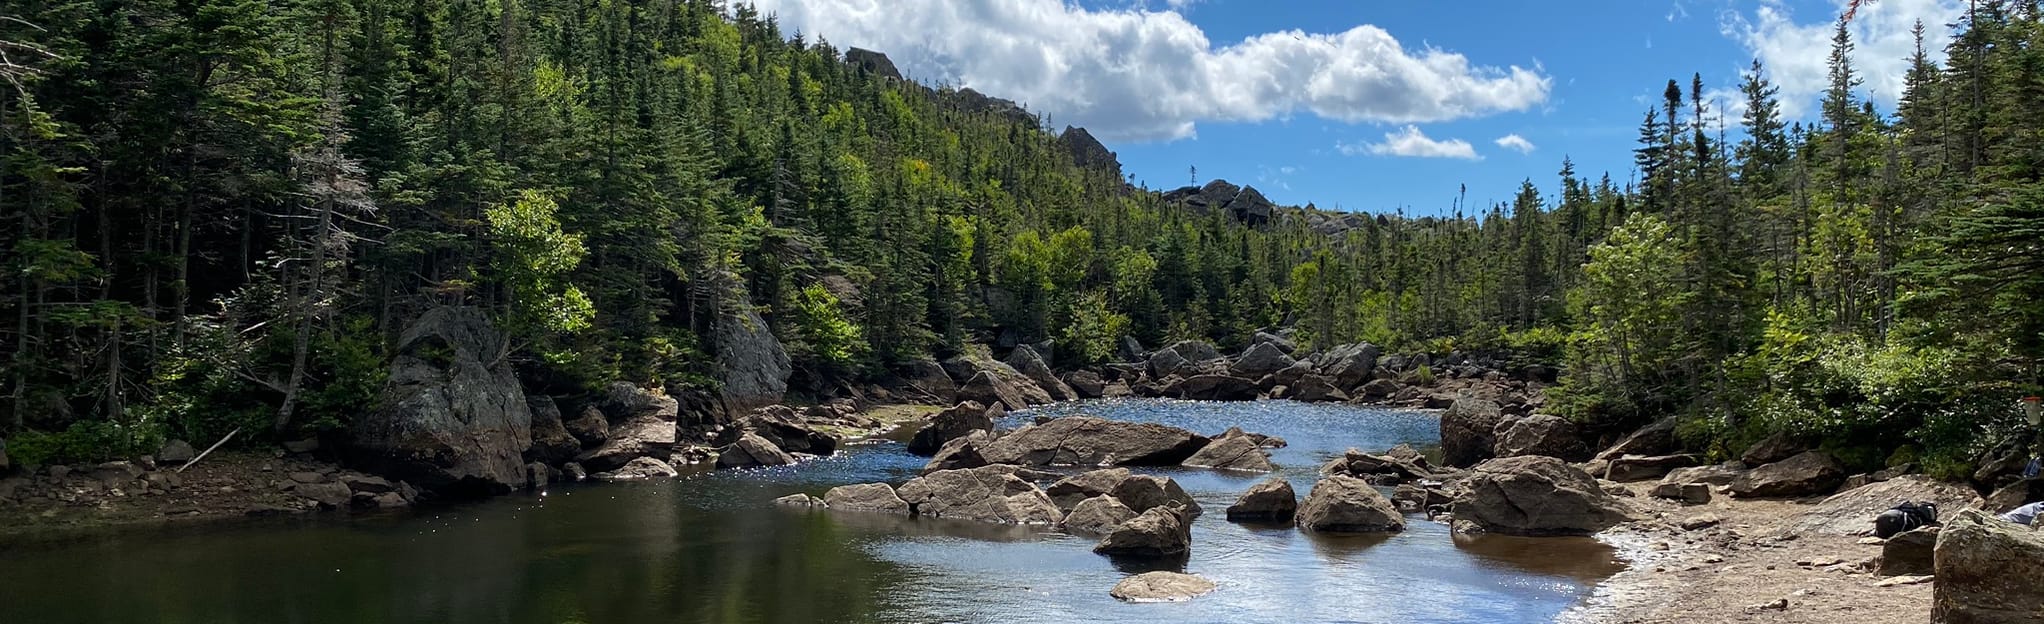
x=90, y=441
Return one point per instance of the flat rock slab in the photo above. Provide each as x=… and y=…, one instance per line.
x=1161, y=587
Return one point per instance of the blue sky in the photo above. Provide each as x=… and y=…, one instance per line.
x=1367, y=105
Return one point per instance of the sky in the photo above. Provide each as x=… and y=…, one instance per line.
x=1371, y=105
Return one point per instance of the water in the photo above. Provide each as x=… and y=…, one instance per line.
x=711, y=548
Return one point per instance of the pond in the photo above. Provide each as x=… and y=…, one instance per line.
x=711, y=547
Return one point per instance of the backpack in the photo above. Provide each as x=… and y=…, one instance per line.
x=1904, y=517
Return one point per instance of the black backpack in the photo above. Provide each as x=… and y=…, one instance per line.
x=1904, y=517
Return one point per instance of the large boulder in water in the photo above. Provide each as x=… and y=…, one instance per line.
x=1987, y=572
x=1089, y=441
x=959, y=454
x=1805, y=474
x=1139, y=492
x=1213, y=388
x=1098, y=515
x=1026, y=361
x=1342, y=504
x=1542, y=434
x=451, y=417
x=790, y=431
x=1261, y=359
x=878, y=497
x=752, y=451
x=986, y=494
x=1238, y=452
x=1272, y=500
x=957, y=422
x=1468, y=431
x=1160, y=532
x=754, y=367
x=1537, y=496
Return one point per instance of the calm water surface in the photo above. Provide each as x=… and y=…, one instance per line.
x=711, y=548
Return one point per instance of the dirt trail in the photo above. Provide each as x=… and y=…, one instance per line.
x=1753, y=561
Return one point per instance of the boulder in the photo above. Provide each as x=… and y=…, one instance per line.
x=929, y=378
x=1771, y=449
x=1165, y=363
x=1068, y=492
x=951, y=424
x=1719, y=474
x=1089, y=441
x=1282, y=343
x=1542, y=434
x=451, y=417
x=1342, y=504
x=753, y=368
x=960, y=453
x=1160, y=532
x=1213, y=388
x=1098, y=515
x=1852, y=512
x=1421, y=497
x=639, y=468
x=1261, y=440
x=1314, y=389
x=1987, y=572
x=1535, y=495
x=1232, y=453
x=174, y=452
x=1467, y=431
x=1688, y=493
x=1350, y=365
x=1651, y=440
x=1805, y=474
x=361, y=483
x=1378, y=389
x=791, y=431
x=1911, y=553
x=643, y=426
x=1356, y=463
x=1195, y=351
x=1086, y=384
x=551, y=441
x=1271, y=500
x=1261, y=359
x=326, y=495
x=987, y=388
x=1161, y=586
x=1145, y=492
x=1026, y=361
x=1629, y=468
x=2017, y=494
x=1131, y=351
x=752, y=451
x=591, y=428
x=875, y=497
x=985, y=494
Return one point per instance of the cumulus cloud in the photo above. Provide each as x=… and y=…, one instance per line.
x=1794, y=47
x=1409, y=141
x=1516, y=143
x=1131, y=74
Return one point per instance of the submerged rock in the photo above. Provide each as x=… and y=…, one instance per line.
x=1161, y=586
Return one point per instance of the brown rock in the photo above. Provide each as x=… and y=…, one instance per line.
x=1468, y=431
x=1987, y=572
x=1161, y=586
x=1341, y=504
x=1089, y=441
x=1538, y=496
x=1232, y=453
x=1159, y=532
x=1911, y=553
x=1272, y=500
x=985, y=494
x=1098, y=515
x=1805, y=474
x=752, y=451
x=875, y=497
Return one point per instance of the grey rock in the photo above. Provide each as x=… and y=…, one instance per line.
x=1272, y=500
x=752, y=451
x=873, y=62
x=1629, y=468
x=1987, y=572
x=1026, y=361
x=1261, y=359
x=985, y=494
x=1209, y=387
x=327, y=495
x=1232, y=453
x=1350, y=365
x=1161, y=586
x=1805, y=474
x=1543, y=434
x=959, y=454
x=1651, y=440
x=1089, y=441
x=451, y=416
x=174, y=452
x=799, y=500
x=1087, y=384
x=591, y=428
x=551, y=441
x=1161, y=532
x=1771, y=449
x=639, y=468
x=1468, y=431
x=1342, y=504
x=874, y=497
x=951, y=424
x=987, y=388
x=1098, y=515
x=1536, y=496
x=755, y=368
x=1910, y=553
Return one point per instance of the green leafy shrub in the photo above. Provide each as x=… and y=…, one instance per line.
x=88, y=441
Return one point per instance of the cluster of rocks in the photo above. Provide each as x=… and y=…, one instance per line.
x=1272, y=367
x=152, y=485
x=964, y=437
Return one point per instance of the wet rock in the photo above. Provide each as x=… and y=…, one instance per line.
x=1804, y=474
x=1098, y=515
x=752, y=451
x=1543, y=434
x=874, y=497
x=1261, y=359
x=800, y=500
x=1232, y=453
x=1026, y=361
x=1161, y=586
x=959, y=454
x=1910, y=553
x=1987, y=572
x=1468, y=431
x=1535, y=496
x=451, y=416
x=1158, y=533
x=1771, y=449
x=1089, y=441
x=951, y=424
x=640, y=468
x=174, y=452
x=986, y=494
x=1342, y=504
x=1271, y=500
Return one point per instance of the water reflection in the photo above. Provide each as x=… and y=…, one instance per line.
x=712, y=548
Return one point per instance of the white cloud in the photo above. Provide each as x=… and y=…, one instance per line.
x=1794, y=48
x=1409, y=141
x=1142, y=75
x=1515, y=142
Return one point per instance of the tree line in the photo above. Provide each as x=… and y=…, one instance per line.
x=222, y=212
